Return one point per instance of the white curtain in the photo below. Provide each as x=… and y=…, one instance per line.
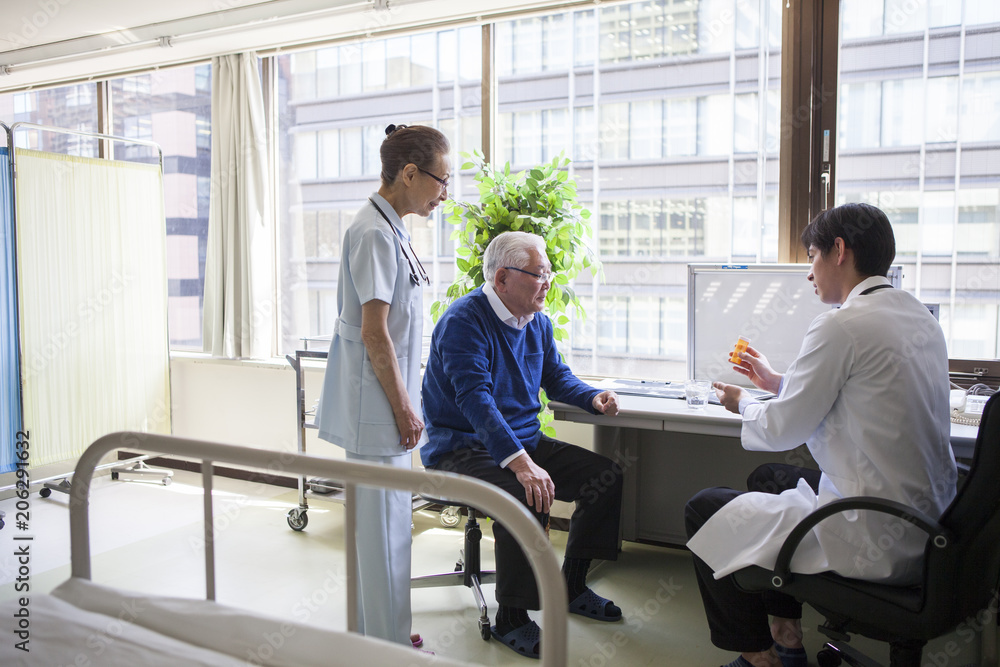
x=239, y=278
x=92, y=287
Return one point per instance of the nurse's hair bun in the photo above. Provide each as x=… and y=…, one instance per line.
x=392, y=128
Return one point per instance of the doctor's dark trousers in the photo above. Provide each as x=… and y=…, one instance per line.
x=739, y=620
x=592, y=481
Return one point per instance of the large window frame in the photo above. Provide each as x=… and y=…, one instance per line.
x=810, y=41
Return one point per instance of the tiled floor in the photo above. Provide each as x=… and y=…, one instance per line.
x=147, y=537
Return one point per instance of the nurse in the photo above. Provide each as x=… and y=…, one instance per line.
x=370, y=402
x=868, y=395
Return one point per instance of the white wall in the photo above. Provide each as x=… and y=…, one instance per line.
x=253, y=403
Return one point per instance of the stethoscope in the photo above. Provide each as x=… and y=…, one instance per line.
x=417, y=274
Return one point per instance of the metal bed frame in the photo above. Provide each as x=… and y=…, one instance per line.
x=458, y=488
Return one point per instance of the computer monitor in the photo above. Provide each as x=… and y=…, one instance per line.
x=770, y=304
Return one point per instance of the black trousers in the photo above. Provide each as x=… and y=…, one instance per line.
x=737, y=619
x=590, y=480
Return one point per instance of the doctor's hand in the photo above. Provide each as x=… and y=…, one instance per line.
x=410, y=427
x=606, y=403
x=754, y=365
x=539, y=490
x=729, y=395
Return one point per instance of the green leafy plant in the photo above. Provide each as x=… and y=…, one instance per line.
x=541, y=200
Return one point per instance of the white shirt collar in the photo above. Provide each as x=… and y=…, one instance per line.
x=870, y=281
x=501, y=310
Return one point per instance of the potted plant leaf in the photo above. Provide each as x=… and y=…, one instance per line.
x=541, y=200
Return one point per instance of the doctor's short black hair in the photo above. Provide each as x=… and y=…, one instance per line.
x=405, y=144
x=865, y=230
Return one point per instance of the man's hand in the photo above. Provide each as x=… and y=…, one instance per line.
x=410, y=427
x=539, y=491
x=606, y=403
x=754, y=365
x=729, y=395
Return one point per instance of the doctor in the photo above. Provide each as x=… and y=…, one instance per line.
x=868, y=394
x=370, y=402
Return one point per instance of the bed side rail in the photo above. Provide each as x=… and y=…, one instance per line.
x=495, y=503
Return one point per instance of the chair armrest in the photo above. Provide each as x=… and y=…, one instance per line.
x=940, y=536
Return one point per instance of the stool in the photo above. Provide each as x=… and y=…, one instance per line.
x=468, y=571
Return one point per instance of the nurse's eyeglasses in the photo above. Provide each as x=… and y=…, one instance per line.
x=442, y=181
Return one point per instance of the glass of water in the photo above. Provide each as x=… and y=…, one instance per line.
x=696, y=392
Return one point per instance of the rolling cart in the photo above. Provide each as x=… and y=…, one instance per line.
x=298, y=517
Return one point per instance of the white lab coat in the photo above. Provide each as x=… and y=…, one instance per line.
x=868, y=394
x=354, y=412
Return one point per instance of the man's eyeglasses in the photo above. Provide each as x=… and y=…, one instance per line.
x=539, y=277
x=442, y=181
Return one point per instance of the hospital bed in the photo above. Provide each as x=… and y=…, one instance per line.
x=83, y=623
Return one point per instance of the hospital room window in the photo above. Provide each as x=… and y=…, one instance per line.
x=73, y=107
x=651, y=85
x=333, y=106
x=923, y=147
x=173, y=108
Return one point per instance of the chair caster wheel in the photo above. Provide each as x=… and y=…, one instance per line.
x=828, y=658
x=451, y=516
x=45, y=492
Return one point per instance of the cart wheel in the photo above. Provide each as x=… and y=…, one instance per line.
x=166, y=481
x=114, y=475
x=297, y=519
x=828, y=658
x=484, y=628
x=45, y=492
x=451, y=516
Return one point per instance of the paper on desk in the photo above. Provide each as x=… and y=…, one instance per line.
x=656, y=388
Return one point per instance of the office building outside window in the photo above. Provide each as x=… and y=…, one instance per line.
x=919, y=136
x=69, y=107
x=334, y=105
x=674, y=155
x=173, y=108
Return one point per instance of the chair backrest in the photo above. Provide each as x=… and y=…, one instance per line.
x=960, y=580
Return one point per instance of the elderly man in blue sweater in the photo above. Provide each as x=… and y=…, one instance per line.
x=490, y=354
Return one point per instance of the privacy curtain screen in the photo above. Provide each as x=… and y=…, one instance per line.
x=92, y=298
x=10, y=405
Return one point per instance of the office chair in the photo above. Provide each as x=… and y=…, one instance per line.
x=468, y=570
x=961, y=569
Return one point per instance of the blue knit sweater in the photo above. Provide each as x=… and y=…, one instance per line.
x=481, y=383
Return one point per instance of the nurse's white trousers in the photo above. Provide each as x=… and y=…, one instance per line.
x=383, y=542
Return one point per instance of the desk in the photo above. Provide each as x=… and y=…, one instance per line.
x=669, y=453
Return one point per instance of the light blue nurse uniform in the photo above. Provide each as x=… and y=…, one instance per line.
x=355, y=414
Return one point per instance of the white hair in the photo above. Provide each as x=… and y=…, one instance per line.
x=510, y=249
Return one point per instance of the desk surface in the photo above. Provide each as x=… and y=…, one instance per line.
x=671, y=414
x=658, y=414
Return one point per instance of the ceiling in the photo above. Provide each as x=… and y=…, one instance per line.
x=45, y=30
x=43, y=42
x=63, y=40
x=47, y=22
